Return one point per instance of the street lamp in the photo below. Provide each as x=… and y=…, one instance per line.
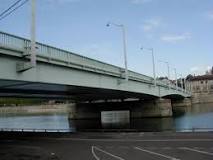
x=124, y=45
x=33, y=30
x=185, y=84
x=153, y=63
x=181, y=82
x=176, y=82
x=168, y=71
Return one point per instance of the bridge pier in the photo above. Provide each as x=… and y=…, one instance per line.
x=138, y=109
x=152, y=108
x=180, y=106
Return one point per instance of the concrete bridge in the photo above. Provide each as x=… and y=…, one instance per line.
x=66, y=75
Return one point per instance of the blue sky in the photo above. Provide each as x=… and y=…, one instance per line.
x=180, y=31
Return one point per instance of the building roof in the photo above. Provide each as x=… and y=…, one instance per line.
x=202, y=77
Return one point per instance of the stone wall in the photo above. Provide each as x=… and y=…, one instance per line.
x=39, y=109
x=152, y=108
x=202, y=98
x=181, y=106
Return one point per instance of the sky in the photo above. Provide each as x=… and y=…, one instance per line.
x=179, y=31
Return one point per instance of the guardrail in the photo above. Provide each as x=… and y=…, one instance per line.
x=150, y=130
x=35, y=130
x=16, y=42
x=194, y=129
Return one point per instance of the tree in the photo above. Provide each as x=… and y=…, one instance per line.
x=189, y=77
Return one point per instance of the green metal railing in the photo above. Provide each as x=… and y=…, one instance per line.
x=22, y=44
x=12, y=41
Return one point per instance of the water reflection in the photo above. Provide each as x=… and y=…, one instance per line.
x=34, y=122
x=197, y=116
x=201, y=108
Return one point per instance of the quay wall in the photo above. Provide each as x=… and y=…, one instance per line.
x=200, y=98
x=38, y=109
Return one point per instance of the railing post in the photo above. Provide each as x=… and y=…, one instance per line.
x=26, y=49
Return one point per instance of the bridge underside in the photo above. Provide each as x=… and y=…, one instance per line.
x=61, y=74
x=55, y=79
x=11, y=88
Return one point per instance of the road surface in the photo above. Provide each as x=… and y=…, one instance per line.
x=106, y=146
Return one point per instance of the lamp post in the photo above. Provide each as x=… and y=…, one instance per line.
x=185, y=84
x=176, y=82
x=124, y=45
x=168, y=71
x=153, y=63
x=33, y=33
x=181, y=81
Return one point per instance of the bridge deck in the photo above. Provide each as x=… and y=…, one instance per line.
x=108, y=77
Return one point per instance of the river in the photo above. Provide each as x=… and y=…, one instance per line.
x=196, y=118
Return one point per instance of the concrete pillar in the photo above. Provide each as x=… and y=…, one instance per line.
x=181, y=106
x=186, y=102
x=152, y=108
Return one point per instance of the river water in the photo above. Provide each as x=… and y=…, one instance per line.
x=196, y=118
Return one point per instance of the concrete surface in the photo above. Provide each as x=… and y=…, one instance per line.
x=106, y=146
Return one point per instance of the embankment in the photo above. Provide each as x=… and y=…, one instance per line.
x=38, y=109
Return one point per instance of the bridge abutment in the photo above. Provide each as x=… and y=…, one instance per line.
x=138, y=109
x=181, y=106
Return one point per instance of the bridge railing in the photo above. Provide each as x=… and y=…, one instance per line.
x=73, y=58
x=23, y=44
x=16, y=42
x=11, y=40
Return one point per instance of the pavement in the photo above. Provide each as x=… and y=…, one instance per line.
x=106, y=146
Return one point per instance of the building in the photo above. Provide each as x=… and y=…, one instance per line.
x=200, y=84
x=201, y=88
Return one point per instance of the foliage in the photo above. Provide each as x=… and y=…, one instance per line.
x=19, y=101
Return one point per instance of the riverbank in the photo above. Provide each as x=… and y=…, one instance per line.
x=36, y=110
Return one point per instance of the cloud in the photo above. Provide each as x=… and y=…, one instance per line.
x=140, y=1
x=151, y=24
x=176, y=37
x=199, y=70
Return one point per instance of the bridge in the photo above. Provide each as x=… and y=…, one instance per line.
x=66, y=75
